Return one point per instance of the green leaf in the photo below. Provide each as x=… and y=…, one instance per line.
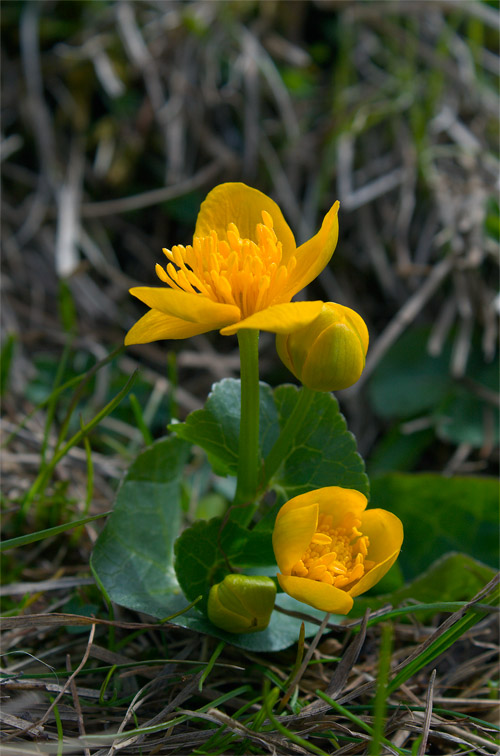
x=463, y=419
x=399, y=452
x=202, y=556
x=453, y=577
x=258, y=551
x=133, y=555
x=211, y=505
x=408, y=381
x=208, y=551
x=216, y=427
x=441, y=515
x=324, y=452
x=282, y=631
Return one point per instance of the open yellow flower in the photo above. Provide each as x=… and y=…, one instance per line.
x=329, y=549
x=241, y=271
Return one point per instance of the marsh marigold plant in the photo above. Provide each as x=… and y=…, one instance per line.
x=330, y=549
x=240, y=272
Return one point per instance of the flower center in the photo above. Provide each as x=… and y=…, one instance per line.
x=336, y=556
x=237, y=271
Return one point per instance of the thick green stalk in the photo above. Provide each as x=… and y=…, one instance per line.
x=248, y=451
x=287, y=435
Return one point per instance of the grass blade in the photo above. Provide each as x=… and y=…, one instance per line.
x=13, y=543
x=44, y=475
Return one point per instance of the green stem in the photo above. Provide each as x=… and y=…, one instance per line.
x=248, y=451
x=287, y=435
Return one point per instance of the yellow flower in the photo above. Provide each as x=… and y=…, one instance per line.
x=242, y=603
x=241, y=271
x=329, y=549
x=329, y=353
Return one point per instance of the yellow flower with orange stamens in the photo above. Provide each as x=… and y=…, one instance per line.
x=329, y=548
x=241, y=271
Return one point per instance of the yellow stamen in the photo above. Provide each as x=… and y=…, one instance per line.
x=251, y=275
x=317, y=571
x=321, y=538
x=336, y=555
x=327, y=577
x=300, y=569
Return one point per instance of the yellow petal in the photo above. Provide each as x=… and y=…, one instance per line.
x=240, y=204
x=359, y=325
x=372, y=577
x=335, y=360
x=313, y=255
x=332, y=311
x=292, y=535
x=337, y=502
x=385, y=532
x=155, y=325
x=303, y=500
x=329, y=351
x=332, y=500
x=280, y=318
x=282, y=347
x=194, y=308
x=317, y=594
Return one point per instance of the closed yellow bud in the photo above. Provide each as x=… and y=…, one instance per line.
x=242, y=603
x=329, y=353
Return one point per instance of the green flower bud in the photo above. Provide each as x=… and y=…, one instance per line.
x=329, y=353
x=242, y=603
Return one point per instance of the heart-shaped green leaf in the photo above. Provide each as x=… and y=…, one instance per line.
x=322, y=453
x=207, y=551
x=216, y=427
x=133, y=555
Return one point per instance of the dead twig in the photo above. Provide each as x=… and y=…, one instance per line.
x=428, y=715
x=66, y=685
